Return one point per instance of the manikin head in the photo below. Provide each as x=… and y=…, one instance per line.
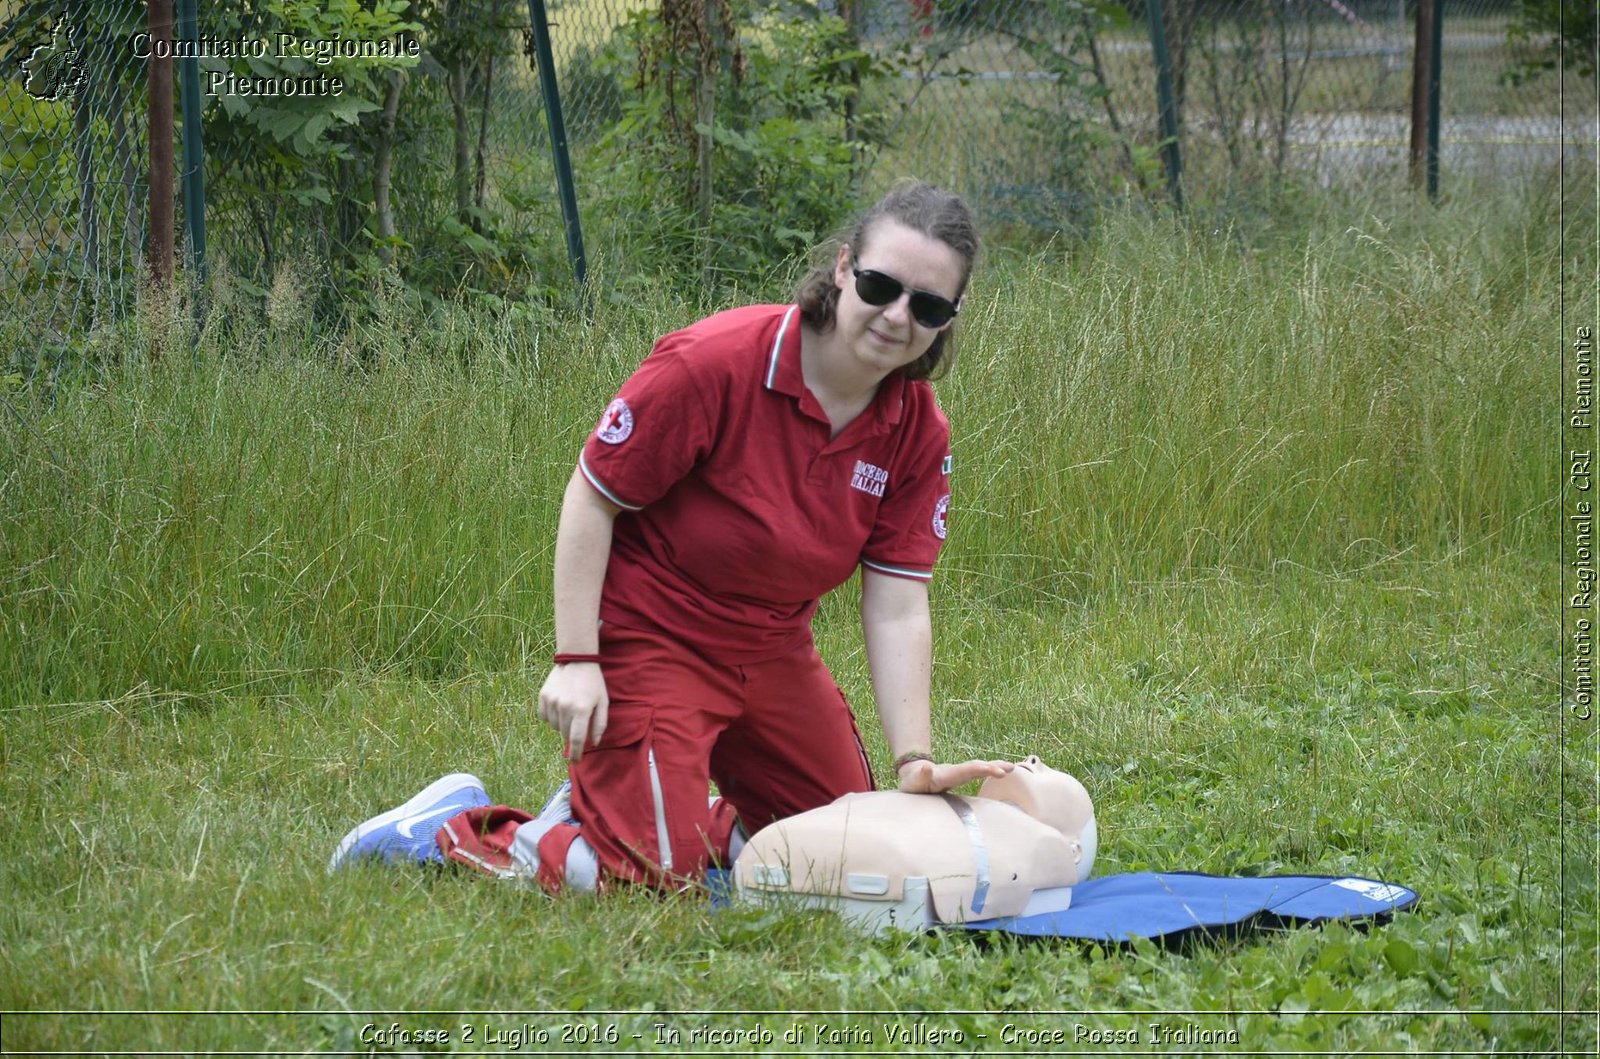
x=1053, y=798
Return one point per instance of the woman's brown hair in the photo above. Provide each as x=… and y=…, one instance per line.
x=937, y=214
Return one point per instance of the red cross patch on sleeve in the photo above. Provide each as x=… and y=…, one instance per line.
x=617, y=424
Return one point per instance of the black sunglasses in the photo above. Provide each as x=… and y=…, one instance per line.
x=928, y=309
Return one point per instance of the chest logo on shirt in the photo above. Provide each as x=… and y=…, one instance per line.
x=616, y=424
x=869, y=478
x=941, y=517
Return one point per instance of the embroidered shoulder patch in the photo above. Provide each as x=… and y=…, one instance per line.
x=941, y=517
x=617, y=424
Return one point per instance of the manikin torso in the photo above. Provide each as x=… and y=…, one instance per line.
x=1026, y=837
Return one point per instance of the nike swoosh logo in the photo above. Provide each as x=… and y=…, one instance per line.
x=410, y=822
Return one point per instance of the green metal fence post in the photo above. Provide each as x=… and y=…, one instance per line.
x=194, y=155
x=1166, y=101
x=558, y=144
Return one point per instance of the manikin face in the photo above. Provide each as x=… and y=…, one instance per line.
x=1052, y=798
x=882, y=338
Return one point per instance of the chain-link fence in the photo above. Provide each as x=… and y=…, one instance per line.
x=706, y=136
x=1052, y=112
x=73, y=170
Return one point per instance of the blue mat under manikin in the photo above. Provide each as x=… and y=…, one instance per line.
x=1117, y=908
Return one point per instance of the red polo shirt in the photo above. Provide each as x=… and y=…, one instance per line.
x=739, y=511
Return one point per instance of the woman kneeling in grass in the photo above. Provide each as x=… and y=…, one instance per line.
x=748, y=466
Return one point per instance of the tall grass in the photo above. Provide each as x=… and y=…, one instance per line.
x=254, y=519
x=1172, y=399
x=1162, y=402
x=1253, y=532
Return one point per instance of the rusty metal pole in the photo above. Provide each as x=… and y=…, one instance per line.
x=1421, y=68
x=160, y=128
x=1435, y=65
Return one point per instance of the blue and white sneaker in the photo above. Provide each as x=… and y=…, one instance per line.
x=406, y=833
x=558, y=810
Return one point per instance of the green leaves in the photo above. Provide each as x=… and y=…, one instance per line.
x=298, y=93
x=1550, y=32
x=782, y=166
x=1402, y=958
x=29, y=128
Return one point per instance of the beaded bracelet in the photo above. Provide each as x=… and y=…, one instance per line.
x=907, y=758
x=563, y=658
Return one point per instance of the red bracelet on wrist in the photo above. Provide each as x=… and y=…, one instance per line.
x=563, y=658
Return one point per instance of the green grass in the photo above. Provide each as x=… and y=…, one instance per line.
x=1254, y=534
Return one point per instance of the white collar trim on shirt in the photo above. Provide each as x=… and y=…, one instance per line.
x=777, y=345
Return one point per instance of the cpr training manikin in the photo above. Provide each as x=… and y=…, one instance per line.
x=887, y=860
